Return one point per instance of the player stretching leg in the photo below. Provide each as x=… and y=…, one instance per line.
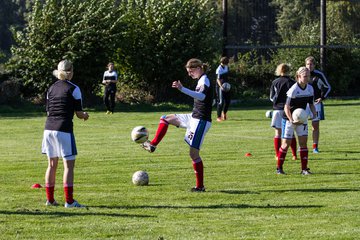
x=197, y=123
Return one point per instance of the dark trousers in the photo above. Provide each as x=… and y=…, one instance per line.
x=109, y=98
x=223, y=101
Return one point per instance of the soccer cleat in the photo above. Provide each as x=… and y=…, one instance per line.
x=198, y=189
x=108, y=112
x=75, y=204
x=315, y=150
x=306, y=172
x=148, y=146
x=279, y=171
x=54, y=203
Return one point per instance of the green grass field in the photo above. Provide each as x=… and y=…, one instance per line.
x=245, y=199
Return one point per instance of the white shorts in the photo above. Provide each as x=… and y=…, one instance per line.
x=59, y=144
x=196, y=129
x=319, y=108
x=289, y=128
x=277, y=118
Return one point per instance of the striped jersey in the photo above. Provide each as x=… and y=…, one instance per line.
x=320, y=84
x=299, y=98
x=110, y=76
x=222, y=73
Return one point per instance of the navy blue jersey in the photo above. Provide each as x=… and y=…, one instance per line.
x=299, y=98
x=320, y=84
x=278, y=90
x=110, y=76
x=63, y=99
x=222, y=73
x=202, y=109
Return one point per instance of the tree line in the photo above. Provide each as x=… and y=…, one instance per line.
x=150, y=40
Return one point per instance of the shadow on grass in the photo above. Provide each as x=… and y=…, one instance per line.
x=217, y=206
x=69, y=214
x=236, y=192
x=317, y=190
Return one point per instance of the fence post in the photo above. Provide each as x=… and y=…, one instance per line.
x=322, y=34
x=225, y=16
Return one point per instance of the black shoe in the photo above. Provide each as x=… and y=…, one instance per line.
x=279, y=171
x=196, y=189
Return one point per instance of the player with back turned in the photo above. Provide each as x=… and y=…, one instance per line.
x=63, y=100
x=278, y=90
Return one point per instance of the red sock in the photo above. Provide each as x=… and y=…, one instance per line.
x=68, y=191
x=315, y=145
x=277, y=144
x=160, y=132
x=304, y=158
x=199, y=172
x=281, y=157
x=293, y=146
x=50, y=193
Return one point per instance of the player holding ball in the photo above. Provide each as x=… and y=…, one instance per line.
x=298, y=96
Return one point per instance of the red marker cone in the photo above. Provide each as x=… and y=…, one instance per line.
x=248, y=155
x=36, y=185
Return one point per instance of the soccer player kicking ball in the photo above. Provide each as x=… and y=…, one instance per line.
x=197, y=123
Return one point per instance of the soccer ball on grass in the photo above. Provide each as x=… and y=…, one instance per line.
x=140, y=178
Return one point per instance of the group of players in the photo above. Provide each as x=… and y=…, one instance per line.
x=307, y=92
x=64, y=99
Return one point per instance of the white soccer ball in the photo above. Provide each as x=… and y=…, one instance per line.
x=140, y=178
x=300, y=115
x=226, y=86
x=139, y=134
x=268, y=114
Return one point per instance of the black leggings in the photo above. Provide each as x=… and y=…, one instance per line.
x=223, y=101
x=109, y=98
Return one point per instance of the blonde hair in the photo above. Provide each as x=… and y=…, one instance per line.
x=300, y=71
x=64, y=70
x=282, y=70
x=195, y=63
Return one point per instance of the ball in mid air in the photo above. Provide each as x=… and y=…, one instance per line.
x=140, y=178
x=139, y=134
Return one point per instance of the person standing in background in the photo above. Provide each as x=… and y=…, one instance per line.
x=62, y=101
x=322, y=89
x=223, y=96
x=278, y=97
x=110, y=79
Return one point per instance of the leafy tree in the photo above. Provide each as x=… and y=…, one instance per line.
x=85, y=32
x=160, y=37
